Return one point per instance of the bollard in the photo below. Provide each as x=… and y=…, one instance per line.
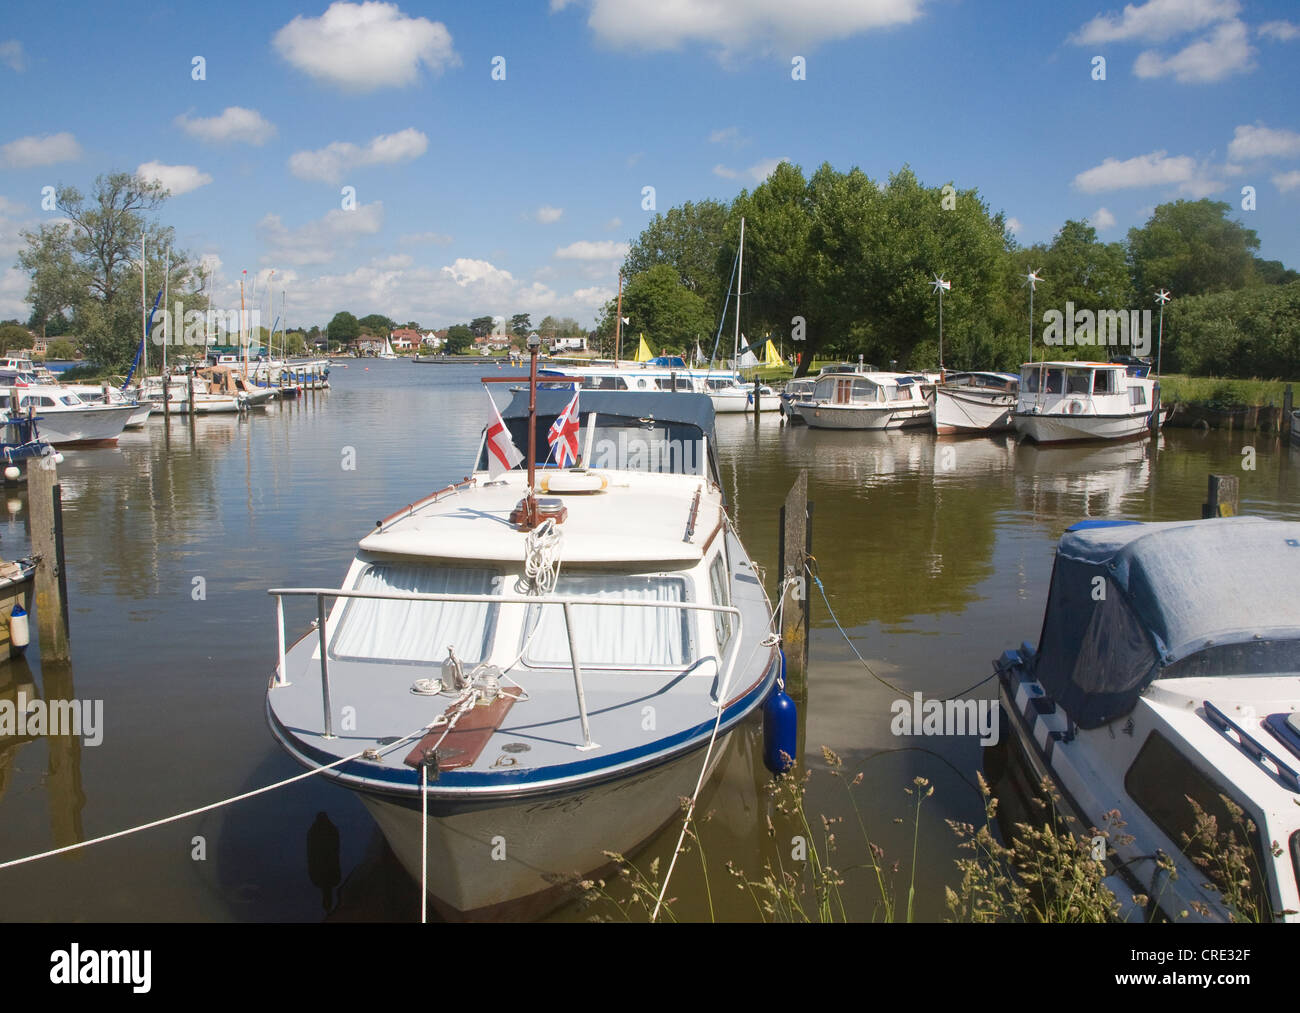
x=793, y=550
x=1222, y=501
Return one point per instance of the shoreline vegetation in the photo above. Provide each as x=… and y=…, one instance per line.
x=1038, y=869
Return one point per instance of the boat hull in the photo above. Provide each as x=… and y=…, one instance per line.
x=732, y=405
x=1068, y=428
x=829, y=416
x=495, y=860
x=966, y=412
x=91, y=424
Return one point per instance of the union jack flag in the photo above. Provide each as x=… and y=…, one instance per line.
x=563, y=435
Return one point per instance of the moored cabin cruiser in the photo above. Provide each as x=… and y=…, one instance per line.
x=974, y=402
x=66, y=419
x=1167, y=671
x=1061, y=401
x=844, y=400
x=513, y=652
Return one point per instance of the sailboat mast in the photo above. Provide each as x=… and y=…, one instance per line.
x=740, y=269
x=618, y=322
x=144, y=311
x=167, y=337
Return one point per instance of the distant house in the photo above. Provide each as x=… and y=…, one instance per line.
x=570, y=344
x=370, y=345
x=434, y=339
x=406, y=337
x=492, y=342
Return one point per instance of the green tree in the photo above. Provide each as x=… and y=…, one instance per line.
x=15, y=337
x=520, y=325
x=1190, y=248
x=377, y=325
x=61, y=349
x=481, y=327
x=459, y=339
x=688, y=238
x=343, y=328
x=670, y=315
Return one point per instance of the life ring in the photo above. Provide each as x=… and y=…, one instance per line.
x=1075, y=407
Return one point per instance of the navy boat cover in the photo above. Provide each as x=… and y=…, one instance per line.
x=1131, y=603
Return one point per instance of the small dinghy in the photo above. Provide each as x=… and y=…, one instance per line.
x=1167, y=674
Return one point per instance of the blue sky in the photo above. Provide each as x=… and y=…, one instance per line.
x=481, y=196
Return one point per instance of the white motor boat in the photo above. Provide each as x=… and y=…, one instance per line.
x=110, y=395
x=1062, y=401
x=559, y=681
x=730, y=396
x=974, y=402
x=64, y=418
x=189, y=394
x=1166, y=674
x=844, y=400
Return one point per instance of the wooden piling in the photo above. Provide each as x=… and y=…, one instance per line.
x=795, y=541
x=1284, y=423
x=758, y=394
x=44, y=504
x=1222, y=501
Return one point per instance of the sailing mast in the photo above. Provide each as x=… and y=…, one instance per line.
x=618, y=321
x=740, y=269
x=144, y=312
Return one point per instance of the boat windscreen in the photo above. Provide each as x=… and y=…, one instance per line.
x=621, y=444
x=612, y=636
x=397, y=631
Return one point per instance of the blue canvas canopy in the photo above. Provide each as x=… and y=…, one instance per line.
x=1131, y=603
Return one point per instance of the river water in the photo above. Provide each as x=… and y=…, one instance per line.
x=934, y=556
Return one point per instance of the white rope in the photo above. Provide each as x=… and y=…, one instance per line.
x=214, y=805
x=713, y=737
x=542, y=557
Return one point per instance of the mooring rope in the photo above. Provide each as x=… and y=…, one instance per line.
x=852, y=647
x=771, y=639
x=213, y=805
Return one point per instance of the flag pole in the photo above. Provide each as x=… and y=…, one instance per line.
x=618, y=321
x=530, y=509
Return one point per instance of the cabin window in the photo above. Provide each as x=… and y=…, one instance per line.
x=903, y=392
x=1055, y=381
x=1137, y=395
x=417, y=631
x=720, y=588
x=865, y=391
x=1161, y=780
x=615, y=636
x=1079, y=381
x=1105, y=382
x=1029, y=381
x=843, y=391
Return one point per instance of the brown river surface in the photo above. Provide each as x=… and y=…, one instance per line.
x=935, y=556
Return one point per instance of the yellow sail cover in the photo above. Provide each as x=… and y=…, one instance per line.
x=643, y=353
x=771, y=357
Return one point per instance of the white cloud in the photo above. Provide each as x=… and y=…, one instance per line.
x=1259, y=141
x=1200, y=186
x=758, y=172
x=12, y=55
x=1155, y=21
x=1285, y=181
x=585, y=249
x=235, y=124
x=395, y=260
x=319, y=241
x=413, y=238
x=728, y=135
x=178, y=179
x=29, y=152
x=1014, y=226
x=1281, y=31
x=330, y=163
x=737, y=27
x=547, y=214
x=1226, y=51
x=1154, y=169
x=614, y=223
x=363, y=47
x=1102, y=220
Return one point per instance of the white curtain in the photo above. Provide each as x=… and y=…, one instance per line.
x=374, y=629
x=613, y=636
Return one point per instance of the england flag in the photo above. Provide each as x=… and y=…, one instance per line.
x=502, y=452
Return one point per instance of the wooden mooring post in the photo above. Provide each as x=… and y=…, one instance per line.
x=793, y=551
x=1222, y=501
x=1284, y=423
x=45, y=506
